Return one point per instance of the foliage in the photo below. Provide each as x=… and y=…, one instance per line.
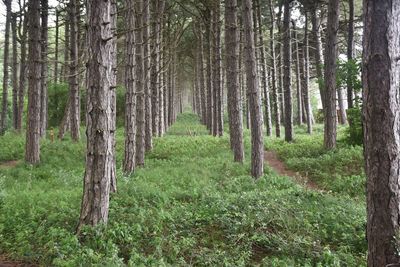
x=354, y=133
x=190, y=205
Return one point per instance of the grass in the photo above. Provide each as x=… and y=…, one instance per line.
x=190, y=205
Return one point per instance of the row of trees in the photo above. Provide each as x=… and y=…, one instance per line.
x=160, y=58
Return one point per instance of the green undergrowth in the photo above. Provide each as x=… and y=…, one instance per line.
x=340, y=170
x=189, y=206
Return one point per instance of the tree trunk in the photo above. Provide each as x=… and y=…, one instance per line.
x=73, y=73
x=306, y=89
x=100, y=117
x=22, y=74
x=342, y=109
x=55, y=78
x=330, y=74
x=381, y=113
x=264, y=73
x=67, y=42
x=202, y=71
x=317, y=53
x=232, y=80
x=210, y=78
x=350, y=46
x=276, y=107
x=140, y=86
x=14, y=71
x=148, y=140
x=130, y=95
x=4, y=110
x=287, y=59
x=257, y=138
x=299, y=93
x=44, y=68
x=32, y=147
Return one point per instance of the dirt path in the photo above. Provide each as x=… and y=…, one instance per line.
x=272, y=159
x=5, y=262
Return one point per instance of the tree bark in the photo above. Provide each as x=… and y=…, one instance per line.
x=342, y=109
x=232, y=80
x=140, y=86
x=330, y=75
x=299, y=93
x=148, y=140
x=350, y=46
x=14, y=71
x=287, y=59
x=381, y=111
x=130, y=95
x=306, y=90
x=22, y=74
x=264, y=73
x=100, y=117
x=317, y=53
x=276, y=107
x=253, y=91
x=44, y=68
x=57, y=37
x=210, y=78
x=4, y=110
x=32, y=147
x=67, y=43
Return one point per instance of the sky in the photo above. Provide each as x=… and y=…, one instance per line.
x=52, y=3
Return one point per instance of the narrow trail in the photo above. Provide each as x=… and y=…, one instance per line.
x=5, y=262
x=8, y=164
x=272, y=159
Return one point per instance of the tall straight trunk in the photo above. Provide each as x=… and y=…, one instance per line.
x=22, y=74
x=14, y=71
x=298, y=79
x=330, y=74
x=73, y=72
x=32, y=146
x=342, y=110
x=287, y=59
x=202, y=71
x=381, y=111
x=280, y=64
x=210, y=76
x=130, y=96
x=318, y=53
x=350, y=46
x=217, y=92
x=232, y=80
x=67, y=43
x=100, y=117
x=264, y=73
x=140, y=86
x=4, y=109
x=56, y=40
x=148, y=140
x=161, y=74
x=276, y=107
x=44, y=67
x=306, y=66
x=257, y=138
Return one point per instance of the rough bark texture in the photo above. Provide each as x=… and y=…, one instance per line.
x=73, y=73
x=381, y=111
x=232, y=80
x=146, y=67
x=350, y=46
x=4, y=108
x=66, y=45
x=22, y=74
x=287, y=59
x=318, y=53
x=44, y=67
x=253, y=91
x=140, y=86
x=56, y=40
x=32, y=147
x=342, y=109
x=14, y=71
x=100, y=116
x=330, y=74
x=264, y=73
x=276, y=107
x=130, y=96
x=210, y=77
x=306, y=70
x=202, y=71
x=299, y=93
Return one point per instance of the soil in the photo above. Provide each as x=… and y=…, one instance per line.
x=272, y=159
x=8, y=164
x=5, y=262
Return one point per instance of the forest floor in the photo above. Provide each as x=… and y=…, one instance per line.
x=190, y=205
